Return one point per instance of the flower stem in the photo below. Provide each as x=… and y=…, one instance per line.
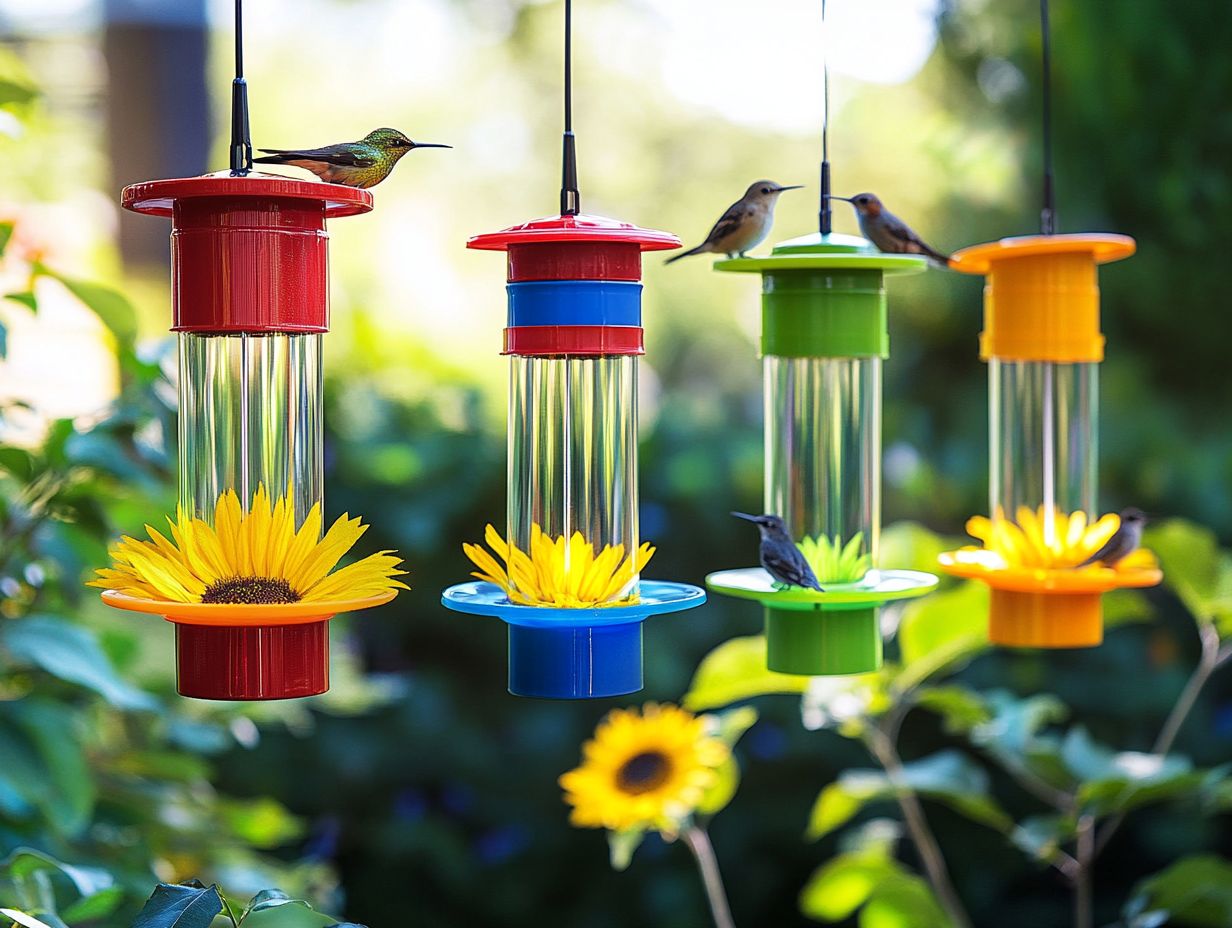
x=703, y=851
x=922, y=836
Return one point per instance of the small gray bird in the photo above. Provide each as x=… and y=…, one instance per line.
x=745, y=225
x=1123, y=543
x=889, y=233
x=779, y=554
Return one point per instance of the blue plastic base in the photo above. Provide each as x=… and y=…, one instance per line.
x=575, y=663
x=574, y=653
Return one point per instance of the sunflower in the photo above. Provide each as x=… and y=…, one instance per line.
x=647, y=770
x=253, y=557
x=1062, y=542
x=558, y=572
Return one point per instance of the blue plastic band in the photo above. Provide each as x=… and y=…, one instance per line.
x=575, y=302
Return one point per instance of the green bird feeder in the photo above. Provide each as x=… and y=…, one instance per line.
x=823, y=341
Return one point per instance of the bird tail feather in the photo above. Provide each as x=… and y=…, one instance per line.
x=685, y=254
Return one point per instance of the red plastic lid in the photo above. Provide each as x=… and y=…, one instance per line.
x=157, y=197
x=588, y=340
x=564, y=229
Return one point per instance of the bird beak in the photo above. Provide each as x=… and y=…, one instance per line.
x=792, y=187
x=835, y=196
x=747, y=517
x=431, y=145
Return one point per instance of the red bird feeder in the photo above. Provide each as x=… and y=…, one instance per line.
x=249, y=269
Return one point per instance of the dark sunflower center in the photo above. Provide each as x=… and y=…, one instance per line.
x=251, y=590
x=643, y=772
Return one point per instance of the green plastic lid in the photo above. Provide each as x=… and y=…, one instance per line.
x=824, y=296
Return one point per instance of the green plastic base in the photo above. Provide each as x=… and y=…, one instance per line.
x=823, y=643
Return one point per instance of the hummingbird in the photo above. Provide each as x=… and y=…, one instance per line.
x=1124, y=541
x=779, y=554
x=745, y=225
x=889, y=233
x=356, y=164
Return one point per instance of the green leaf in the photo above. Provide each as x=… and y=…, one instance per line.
x=1119, y=782
x=6, y=233
x=268, y=899
x=940, y=631
x=1041, y=835
x=1014, y=735
x=734, y=671
x=111, y=306
x=911, y=546
x=947, y=776
x=1195, y=567
x=622, y=845
x=177, y=905
x=44, y=764
x=92, y=908
x=870, y=881
x=1195, y=891
x=264, y=823
x=25, y=298
x=71, y=653
x=720, y=793
x=960, y=709
x=12, y=92
x=24, y=862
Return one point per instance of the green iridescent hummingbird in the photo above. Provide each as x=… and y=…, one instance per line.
x=356, y=164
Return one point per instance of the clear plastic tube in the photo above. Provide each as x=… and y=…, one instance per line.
x=573, y=450
x=250, y=414
x=823, y=455
x=1043, y=446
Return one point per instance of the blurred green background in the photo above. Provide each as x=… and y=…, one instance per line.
x=418, y=792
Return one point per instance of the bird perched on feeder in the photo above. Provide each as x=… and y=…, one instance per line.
x=745, y=225
x=356, y=164
x=1124, y=541
x=779, y=554
x=889, y=233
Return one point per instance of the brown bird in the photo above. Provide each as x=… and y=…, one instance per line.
x=745, y=225
x=889, y=233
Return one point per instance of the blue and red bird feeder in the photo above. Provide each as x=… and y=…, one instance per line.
x=574, y=336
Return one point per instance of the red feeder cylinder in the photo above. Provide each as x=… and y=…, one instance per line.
x=250, y=294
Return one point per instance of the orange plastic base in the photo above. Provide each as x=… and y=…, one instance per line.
x=1045, y=620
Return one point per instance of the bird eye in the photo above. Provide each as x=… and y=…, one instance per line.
x=765, y=189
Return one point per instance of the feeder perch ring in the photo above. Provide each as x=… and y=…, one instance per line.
x=243, y=615
x=888, y=586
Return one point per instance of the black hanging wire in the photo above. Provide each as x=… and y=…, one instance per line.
x=241, y=138
x=824, y=215
x=1048, y=214
x=570, y=198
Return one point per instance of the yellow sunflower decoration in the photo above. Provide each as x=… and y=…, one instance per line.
x=254, y=557
x=560, y=572
x=644, y=770
x=1063, y=542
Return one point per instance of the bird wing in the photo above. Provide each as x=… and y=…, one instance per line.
x=1111, y=550
x=346, y=156
x=729, y=223
x=906, y=239
x=789, y=566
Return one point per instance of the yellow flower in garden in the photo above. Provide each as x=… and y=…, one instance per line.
x=647, y=770
x=1065, y=541
x=249, y=557
x=559, y=572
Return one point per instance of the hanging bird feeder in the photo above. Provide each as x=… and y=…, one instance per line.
x=824, y=336
x=1043, y=345
x=250, y=304
x=823, y=342
x=566, y=576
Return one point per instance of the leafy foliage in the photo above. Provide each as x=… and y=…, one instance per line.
x=834, y=561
